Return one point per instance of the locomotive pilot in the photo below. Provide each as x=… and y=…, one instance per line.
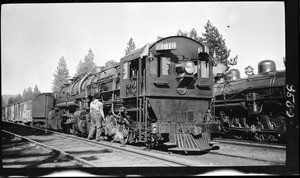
x=97, y=115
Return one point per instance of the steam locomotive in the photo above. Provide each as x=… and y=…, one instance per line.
x=158, y=95
x=252, y=107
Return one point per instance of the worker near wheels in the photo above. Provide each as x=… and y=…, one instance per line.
x=97, y=115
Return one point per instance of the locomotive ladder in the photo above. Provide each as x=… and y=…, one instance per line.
x=142, y=119
x=142, y=111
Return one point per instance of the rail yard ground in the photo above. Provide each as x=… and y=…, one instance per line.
x=19, y=153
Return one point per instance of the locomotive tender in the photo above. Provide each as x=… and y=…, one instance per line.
x=253, y=106
x=157, y=95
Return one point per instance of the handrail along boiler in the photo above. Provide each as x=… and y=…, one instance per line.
x=158, y=95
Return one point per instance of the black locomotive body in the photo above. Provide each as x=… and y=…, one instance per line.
x=253, y=106
x=157, y=95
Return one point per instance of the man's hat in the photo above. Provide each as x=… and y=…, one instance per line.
x=97, y=95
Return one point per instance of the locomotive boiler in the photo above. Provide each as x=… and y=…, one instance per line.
x=158, y=95
x=252, y=107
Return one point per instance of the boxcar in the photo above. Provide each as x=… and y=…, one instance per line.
x=41, y=106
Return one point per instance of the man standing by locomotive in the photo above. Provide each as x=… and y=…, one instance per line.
x=97, y=115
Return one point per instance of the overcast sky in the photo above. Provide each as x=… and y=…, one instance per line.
x=35, y=36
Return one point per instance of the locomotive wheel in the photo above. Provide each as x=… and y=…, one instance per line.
x=282, y=122
x=72, y=130
x=261, y=137
x=259, y=126
x=54, y=123
x=51, y=120
x=81, y=124
x=272, y=138
x=131, y=137
x=243, y=122
x=265, y=121
x=110, y=126
x=126, y=133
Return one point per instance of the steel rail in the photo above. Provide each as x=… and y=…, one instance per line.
x=250, y=144
x=47, y=147
x=117, y=146
x=245, y=157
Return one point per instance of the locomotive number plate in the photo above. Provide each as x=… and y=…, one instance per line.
x=165, y=46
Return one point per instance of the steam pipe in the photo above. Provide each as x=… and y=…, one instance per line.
x=113, y=112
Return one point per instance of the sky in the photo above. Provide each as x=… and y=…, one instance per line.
x=35, y=36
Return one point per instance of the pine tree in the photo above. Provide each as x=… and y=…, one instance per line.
x=88, y=66
x=29, y=93
x=18, y=98
x=36, y=91
x=215, y=42
x=79, y=69
x=130, y=46
x=193, y=34
x=24, y=95
x=10, y=100
x=181, y=33
x=61, y=75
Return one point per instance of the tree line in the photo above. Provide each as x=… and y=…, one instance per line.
x=28, y=94
x=84, y=67
x=215, y=42
x=210, y=37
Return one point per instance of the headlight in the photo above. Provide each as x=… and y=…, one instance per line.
x=189, y=67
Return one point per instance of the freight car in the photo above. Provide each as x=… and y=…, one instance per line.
x=41, y=106
x=31, y=112
x=252, y=107
x=158, y=95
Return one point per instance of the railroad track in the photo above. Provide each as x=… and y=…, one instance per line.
x=251, y=143
x=80, y=161
x=228, y=154
x=92, y=153
x=273, y=153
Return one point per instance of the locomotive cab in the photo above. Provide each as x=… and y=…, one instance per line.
x=173, y=65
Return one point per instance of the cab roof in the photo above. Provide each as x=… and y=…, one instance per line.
x=136, y=53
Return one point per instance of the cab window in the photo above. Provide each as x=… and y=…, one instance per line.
x=204, y=69
x=125, y=70
x=160, y=66
x=153, y=66
x=133, y=68
x=165, y=66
